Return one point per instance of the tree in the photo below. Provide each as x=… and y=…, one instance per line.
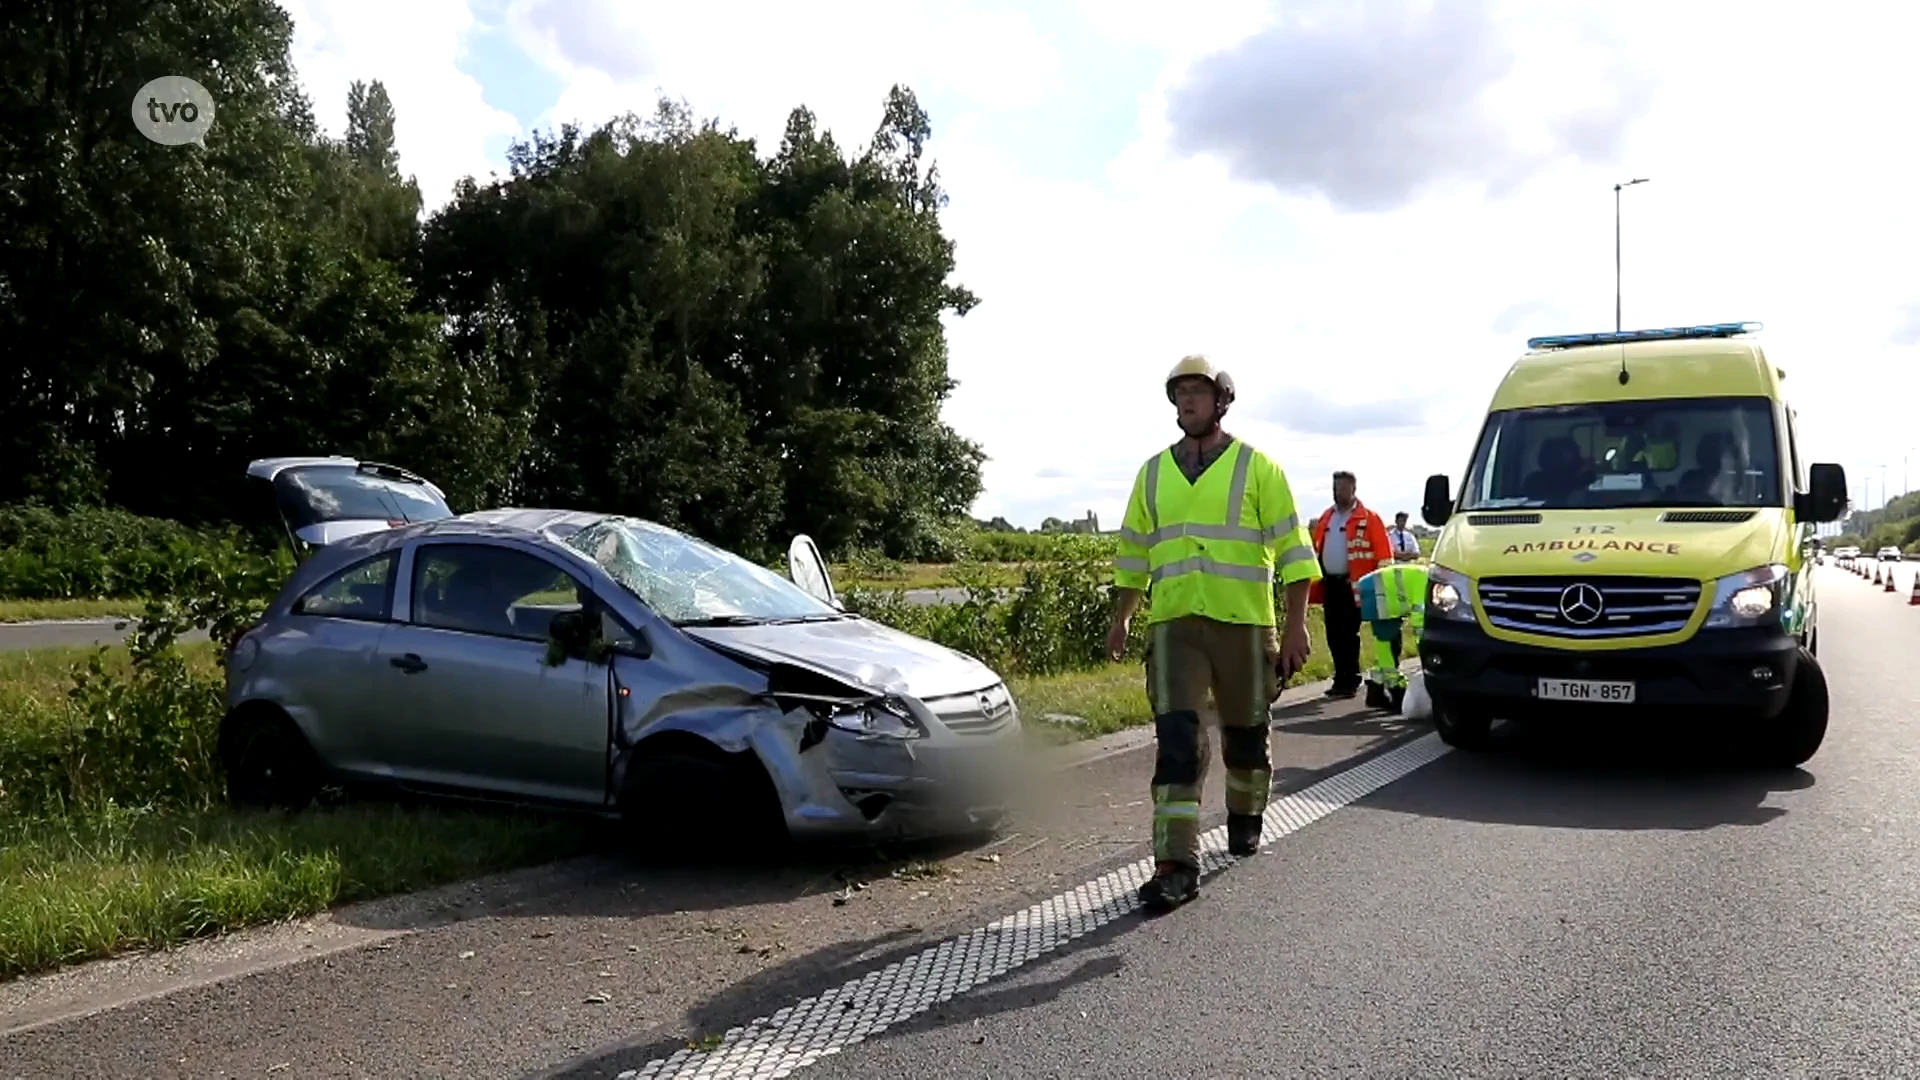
x=646, y=317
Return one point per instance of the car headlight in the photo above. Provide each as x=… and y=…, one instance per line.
x=1749, y=598
x=1449, y=594
x=886, y=719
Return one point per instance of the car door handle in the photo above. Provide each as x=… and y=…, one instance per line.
x=410, y=663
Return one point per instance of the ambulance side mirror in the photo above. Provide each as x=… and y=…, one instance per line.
x=1826, y=496
x=1437, y=506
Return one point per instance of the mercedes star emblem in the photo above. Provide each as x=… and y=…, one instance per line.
x=1581, y=604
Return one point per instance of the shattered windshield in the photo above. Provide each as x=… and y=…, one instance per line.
x=1684, y=452
x=691, y=583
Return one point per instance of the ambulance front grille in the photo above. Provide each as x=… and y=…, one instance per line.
x=1590, y=607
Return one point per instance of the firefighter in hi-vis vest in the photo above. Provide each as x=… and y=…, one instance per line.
x=1210, y=524
x=1389, y=598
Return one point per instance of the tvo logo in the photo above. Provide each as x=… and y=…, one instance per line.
x=173, y=110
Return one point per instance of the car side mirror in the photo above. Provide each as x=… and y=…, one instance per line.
x=1437, y=506
x=569, y=636
x=1826, y=496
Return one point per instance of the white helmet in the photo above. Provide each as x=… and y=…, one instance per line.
x=1197, y=366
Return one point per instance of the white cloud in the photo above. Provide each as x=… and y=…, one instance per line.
x=1777, y=146
x=443, y=126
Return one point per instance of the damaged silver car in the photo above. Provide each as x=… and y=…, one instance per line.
x=607, y=663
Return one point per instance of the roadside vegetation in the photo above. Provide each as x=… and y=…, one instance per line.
x=1897, y=524
x=654, y=315
x=114, y=832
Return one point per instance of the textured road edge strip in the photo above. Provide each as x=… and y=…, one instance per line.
x=801, y=1034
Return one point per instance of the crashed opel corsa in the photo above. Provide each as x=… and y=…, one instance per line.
x=611, y=664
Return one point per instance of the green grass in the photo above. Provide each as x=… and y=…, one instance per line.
x=1114, y=697
x=88, y=885
x=13, y=611
x=925, y=575
x=101, y=879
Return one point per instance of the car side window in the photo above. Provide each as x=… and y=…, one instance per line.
x=498, y=591
x=615, y=632
x=361, y=591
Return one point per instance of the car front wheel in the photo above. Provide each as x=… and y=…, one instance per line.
x=1790, y=739
x=701, y=807
x=1462, y=727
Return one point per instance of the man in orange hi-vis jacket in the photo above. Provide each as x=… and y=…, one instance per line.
x=1351, y=542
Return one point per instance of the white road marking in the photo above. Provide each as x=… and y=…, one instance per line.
x=803, y=1033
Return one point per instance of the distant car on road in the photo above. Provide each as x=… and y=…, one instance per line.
x=1890, y=554
x=614, y=665
x=322, y=500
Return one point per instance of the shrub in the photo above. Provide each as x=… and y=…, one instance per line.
x=146, y=736
x=101, y=554
x=1054, y=621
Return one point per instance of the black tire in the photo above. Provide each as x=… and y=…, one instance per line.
x=268, y=762
x=1463, y=728
x=1790, y=739
x=686, y=807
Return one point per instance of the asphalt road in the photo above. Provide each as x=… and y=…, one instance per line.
x=86, y=633
x=1565, y=906
x=596, y=961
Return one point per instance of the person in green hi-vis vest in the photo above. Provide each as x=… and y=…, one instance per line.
x=1389, y=597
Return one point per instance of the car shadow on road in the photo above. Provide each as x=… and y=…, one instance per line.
x=1598, y=778
x=600, y=876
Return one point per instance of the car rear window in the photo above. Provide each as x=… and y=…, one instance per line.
x=312, y=494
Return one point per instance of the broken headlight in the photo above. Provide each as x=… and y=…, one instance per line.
x=887, y=718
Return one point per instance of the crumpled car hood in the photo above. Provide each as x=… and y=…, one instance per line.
x=860, y=649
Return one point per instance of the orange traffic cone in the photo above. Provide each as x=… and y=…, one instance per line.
x=1890, y=587
x=1876, y=573
x=1914, y=600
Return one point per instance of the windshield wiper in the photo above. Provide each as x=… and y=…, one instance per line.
x=829, y=617
x=724, y=620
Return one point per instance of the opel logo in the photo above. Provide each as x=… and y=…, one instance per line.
x=1581, y=604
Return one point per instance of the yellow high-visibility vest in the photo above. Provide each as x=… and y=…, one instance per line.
x=1213, y=547
x=1395, y=591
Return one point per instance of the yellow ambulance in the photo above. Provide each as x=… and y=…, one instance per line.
x=1633, y=535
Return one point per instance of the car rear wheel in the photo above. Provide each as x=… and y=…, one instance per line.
x=683, y=805
x=1790, y=739
x=267, y=761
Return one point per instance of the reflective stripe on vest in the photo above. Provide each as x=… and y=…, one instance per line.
x=1219, y=568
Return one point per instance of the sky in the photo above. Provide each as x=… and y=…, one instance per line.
x=1360, y=208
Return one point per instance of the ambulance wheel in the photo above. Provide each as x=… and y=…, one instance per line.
x=1790, y=739
x=1462, y=727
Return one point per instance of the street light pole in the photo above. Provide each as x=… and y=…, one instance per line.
x=1616, y=246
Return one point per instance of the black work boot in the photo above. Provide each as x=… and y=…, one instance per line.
x=1243, y=834
x=1376, y=696
x=1172, y=884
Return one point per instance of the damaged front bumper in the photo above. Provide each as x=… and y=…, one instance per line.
x=902, y=789
x=856, y=762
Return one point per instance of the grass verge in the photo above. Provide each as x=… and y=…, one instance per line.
x=91, y=884
x=1103, y=700
x=89, y=879
x=885, y=578
x=16, y=611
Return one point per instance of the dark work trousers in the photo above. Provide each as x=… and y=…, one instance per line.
x=1342, y=610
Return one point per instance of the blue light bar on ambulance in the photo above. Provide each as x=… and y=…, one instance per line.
x=1621, y=337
